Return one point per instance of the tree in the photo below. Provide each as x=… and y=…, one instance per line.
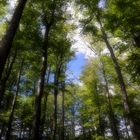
x=102, y=35
x=124, y=18
x=39, y=94
x=14, y=104
x=7, y=40
x=40, y=99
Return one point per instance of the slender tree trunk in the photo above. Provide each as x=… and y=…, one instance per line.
x=55, y=103
x=20, y=133
x=45, y=106
x=2, y=131
x=56, y=90
x=99, y=112
x=111, y=113
x=43, y=116
x=6, y=42
x=63, y=112
x=73, y=122
x=134, y=128
x=24, y=132
x=38, y=98
x=13, y=105
x=55, y=117
x=30, y=131
x=40, y=89
x=4, y=79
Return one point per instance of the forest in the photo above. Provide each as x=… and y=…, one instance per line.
x=38, y=98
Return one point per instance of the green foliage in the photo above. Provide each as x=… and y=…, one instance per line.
x=86, y=105
x=133, y=65
x=123, y=16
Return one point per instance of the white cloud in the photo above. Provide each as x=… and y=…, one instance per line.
x=12, y=4
x=81, y=45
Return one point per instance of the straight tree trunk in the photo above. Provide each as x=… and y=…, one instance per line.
x=40, y=90
x=101, y=131
x=134, y=128
x=56, y=90
x=45, y=107
x=111, y=113
x=63, y=112
x=2, y=130
x=73, y=116
x=4, y=79
x=73, y=119
x=55, y=117
x=24, y=132
x=13, y=105
x=41, y=82
x=7, y=40
x=30, y=131
x=20, y=133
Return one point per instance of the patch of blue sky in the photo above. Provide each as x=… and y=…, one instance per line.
x=101, y=4
x=75, y=67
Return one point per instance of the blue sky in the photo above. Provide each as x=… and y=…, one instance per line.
x=75, y=66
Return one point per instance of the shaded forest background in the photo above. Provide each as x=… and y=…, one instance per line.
x=39, y=101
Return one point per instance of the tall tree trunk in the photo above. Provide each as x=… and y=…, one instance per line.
x=6, y=42
x=13, y=105
x=24, y=132
x=20, y=133
x=55, y=117
x=30, y=131
x=73, y=120
x=2, y=130
x=134, y=128
x=63, y=112
x=112, y=119
x=101, y=130
x=40, y=89
x=56, y=90
x=43, y=119
x=4, y=79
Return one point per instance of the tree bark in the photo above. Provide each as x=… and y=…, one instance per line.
x=6, y=42
x=134, y=128
x=2, y=130
x=73, y=120
x=112, y=119
x=56, y=90
x=97, y=100
x=20, y=133
x=45, y=106
x=4, y=79
x=55, y=117
x=13, y=105
x=40, y=89
x=30, y=132
x=63, y=112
